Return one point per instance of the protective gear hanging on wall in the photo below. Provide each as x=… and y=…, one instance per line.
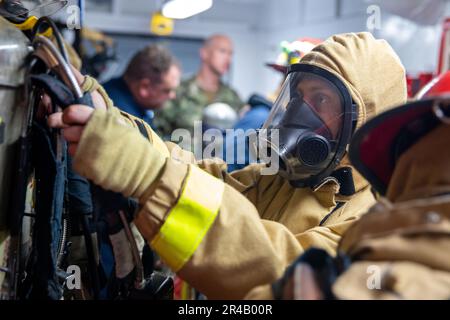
x=48, y=163
x=51, y=165
x=13, y=50
x=19, y=12
x=51, y=191
x=25, y=18
x=189, y=216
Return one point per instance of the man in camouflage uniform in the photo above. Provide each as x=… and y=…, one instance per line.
x=206, y=87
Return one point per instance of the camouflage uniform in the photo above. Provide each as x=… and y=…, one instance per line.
x=189, y=104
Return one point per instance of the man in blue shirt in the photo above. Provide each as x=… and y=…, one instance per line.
x=149, y=81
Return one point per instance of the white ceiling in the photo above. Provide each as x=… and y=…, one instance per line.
x=253, y=13
x=231, y=11
x=428, y=12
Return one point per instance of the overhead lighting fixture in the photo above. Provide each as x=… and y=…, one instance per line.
x=182, y=9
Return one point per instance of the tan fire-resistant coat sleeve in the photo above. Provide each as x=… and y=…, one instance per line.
x=202, y=228
x=91, y=84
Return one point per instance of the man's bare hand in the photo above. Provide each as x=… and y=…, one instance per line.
x=73, y=121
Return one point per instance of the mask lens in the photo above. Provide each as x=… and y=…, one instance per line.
x=324, y=101
x=309, y=115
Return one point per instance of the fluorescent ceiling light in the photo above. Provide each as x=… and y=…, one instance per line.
x=182, y=9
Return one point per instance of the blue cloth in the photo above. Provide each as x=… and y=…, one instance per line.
x=121, y=95
x=253, y=119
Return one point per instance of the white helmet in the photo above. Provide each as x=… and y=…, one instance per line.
x=220, y=116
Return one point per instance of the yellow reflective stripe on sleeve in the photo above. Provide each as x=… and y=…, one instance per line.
x=189, y=221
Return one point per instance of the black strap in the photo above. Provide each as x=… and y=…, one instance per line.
x=338, y=206
x=41, y=281
x=59, y=92
x=142, y=129
x=77, y=189
x=345, y=178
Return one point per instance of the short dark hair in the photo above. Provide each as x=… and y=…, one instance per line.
x=151, y=63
